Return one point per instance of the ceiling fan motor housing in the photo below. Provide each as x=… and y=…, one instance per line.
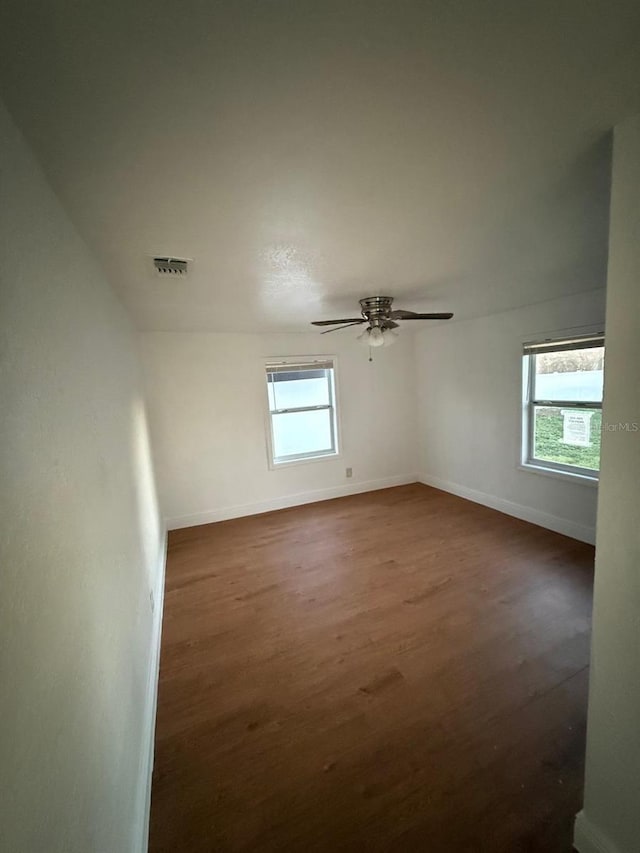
x=376, y=309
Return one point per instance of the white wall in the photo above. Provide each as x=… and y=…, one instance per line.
x=206, y=395
x=469, y=413
x=610, y=821
x=81, y=544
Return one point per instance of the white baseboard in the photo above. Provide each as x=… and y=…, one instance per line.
x=543, y=519
x=151, y=701
x=588, y=839
x=241, y=510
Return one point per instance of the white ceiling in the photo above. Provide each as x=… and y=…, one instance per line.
x=306, y=154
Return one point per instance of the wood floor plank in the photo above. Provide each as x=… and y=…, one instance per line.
x=398, y=670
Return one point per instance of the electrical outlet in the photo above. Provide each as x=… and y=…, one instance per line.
x=349, y=472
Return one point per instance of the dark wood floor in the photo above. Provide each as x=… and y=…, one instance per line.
x=396, y=671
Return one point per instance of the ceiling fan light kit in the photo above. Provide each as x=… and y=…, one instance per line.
x=381, y=321
x=377, y=337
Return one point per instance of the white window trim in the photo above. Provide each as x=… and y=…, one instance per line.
x=526, y=462
x=314, y=457
x=566, y=476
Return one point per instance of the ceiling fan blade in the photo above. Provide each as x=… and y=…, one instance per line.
x=337, y=329
x=389, y=324
x=412, y=315
x=334, y=322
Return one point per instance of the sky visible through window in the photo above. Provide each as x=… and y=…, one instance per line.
x=578, y=385
x=296, y=393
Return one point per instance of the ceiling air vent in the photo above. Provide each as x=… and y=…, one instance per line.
x=171, y=266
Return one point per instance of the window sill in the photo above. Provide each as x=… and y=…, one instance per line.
x=566, y=476
x=289, y=463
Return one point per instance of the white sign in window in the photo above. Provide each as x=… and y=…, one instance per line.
x=576, y=428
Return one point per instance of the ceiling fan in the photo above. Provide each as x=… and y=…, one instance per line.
x=381, y=320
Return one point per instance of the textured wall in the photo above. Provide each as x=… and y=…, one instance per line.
x=81, y=544
x=611, y=818
x=470, y=413
x=207, y=398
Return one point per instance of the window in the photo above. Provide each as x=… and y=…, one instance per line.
x=562, y=401
x=302, y=410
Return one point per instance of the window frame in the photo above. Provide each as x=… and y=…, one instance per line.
x=557, y=343
x=311, y=362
